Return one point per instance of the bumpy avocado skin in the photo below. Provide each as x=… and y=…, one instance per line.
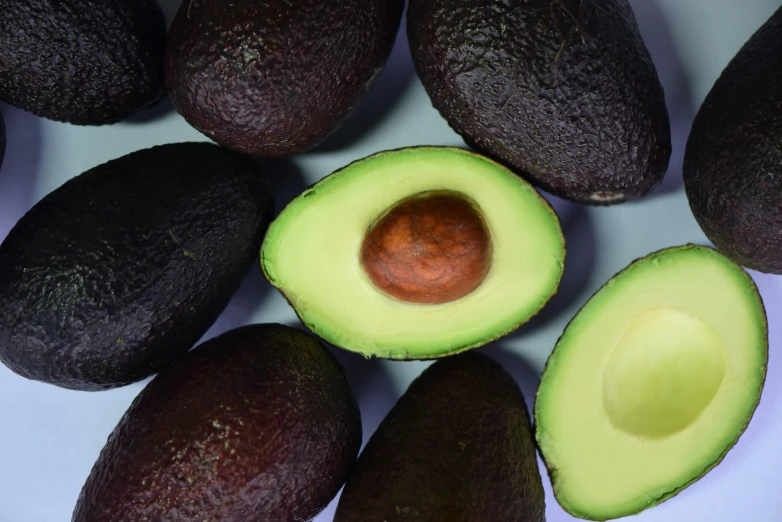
x=272, y=78
x=733, y=162
x=564, y=92
x=259, y=424
x=81, y=61
x=126, y=266
x=457, y=447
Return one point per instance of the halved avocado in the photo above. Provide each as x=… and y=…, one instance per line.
x=416, y=253
x=652, y=382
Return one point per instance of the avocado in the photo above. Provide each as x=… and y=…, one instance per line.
x=81, y=61
x=276, y=78
x=416, y=253
x=733, y=160
x=259, y=424
x=652, y=382
x=126, y=266
x=564, y=92
x=458, y=446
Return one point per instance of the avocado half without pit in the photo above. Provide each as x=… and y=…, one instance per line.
x=652, y=382
x=416, y=253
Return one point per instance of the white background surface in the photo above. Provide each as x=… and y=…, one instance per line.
x=50, y=438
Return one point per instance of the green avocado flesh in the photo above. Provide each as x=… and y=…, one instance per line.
x=312, y=255
x=652, y=382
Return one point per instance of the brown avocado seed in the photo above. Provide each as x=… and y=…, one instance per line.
x=431, y=248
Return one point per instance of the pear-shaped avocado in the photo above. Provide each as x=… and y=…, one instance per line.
x=565, y=92
x=457, y=447
x=126, y=266
x=652, y=382
x=258, y=424
x=275, y=78
x=84, y=62
x=733, y=162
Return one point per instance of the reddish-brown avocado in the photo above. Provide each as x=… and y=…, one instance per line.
x=259, y=424
x=275, y=78
x=457, y=447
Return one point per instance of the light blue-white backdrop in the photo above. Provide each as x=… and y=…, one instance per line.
x=50, y=438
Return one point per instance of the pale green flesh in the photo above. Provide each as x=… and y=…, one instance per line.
x=652, y=382
x=311, y=253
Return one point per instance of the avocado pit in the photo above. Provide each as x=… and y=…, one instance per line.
x=431, y=248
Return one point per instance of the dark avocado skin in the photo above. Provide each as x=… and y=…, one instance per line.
x=272, y=78
x=257, y=425
x=457, y=447
x=84, y=62
x=564, y=92
x=733, y=161
x=126, y=266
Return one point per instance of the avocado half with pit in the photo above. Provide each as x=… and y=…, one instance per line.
x=652, y=382
x=416, y=253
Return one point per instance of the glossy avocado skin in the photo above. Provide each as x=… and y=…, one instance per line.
x=457, y=447
x=733, y=161
x=259, y=424
x=81, y=61
x=564, y=92
x=126, y=266
x=272, y=78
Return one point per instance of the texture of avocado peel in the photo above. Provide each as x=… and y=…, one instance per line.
x=564, y=92
x=259, y=423
x=273, y=79
x=457, y=446
x=733, y=161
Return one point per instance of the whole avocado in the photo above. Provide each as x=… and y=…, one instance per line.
x=125, y=267
x=259, y=424
x=85, y=62
x=457, y=447
x=275, y=78
x=733, y=161
x=564, y=92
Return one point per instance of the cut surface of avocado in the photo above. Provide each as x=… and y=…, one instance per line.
x=366, y=291
x=652, y=382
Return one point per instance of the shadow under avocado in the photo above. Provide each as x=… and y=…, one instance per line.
x=19, y=171
x=170, y=8
x=657, y=35
x=162, y=107
x=581, y=244
x=525, y=375
x=154, y=112
x=370, y=381
x=245, y=302
x=372, y=386
x=383, y=97
x=286, y=182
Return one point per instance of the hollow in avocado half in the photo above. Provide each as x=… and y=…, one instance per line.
x=652, y=382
